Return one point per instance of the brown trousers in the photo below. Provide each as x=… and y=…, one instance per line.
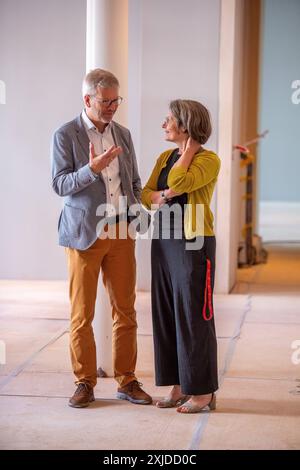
x=116, y=259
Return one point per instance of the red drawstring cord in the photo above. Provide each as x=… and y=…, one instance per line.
x=207, y=293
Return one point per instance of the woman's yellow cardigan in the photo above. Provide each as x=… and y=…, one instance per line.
x=198, y=181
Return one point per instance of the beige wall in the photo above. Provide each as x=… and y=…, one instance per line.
x=42, y=51
x=162, y=66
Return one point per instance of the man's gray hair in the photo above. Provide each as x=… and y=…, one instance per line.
x=98, y=78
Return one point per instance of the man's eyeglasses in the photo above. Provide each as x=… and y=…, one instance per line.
x=108, y=103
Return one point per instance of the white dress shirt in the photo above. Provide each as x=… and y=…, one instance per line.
x=111, y=174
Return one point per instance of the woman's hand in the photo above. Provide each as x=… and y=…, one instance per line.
x=157, y=199
x=169, y=193
x=192, y=146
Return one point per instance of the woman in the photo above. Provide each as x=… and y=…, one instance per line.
x=183, y=260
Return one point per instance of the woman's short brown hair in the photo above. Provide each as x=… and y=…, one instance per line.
x=193, y=117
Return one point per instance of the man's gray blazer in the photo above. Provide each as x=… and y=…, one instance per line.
x=73, y=179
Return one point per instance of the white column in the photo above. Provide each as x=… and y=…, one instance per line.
x=224, y=226
x=107, y=48
x=107, y=43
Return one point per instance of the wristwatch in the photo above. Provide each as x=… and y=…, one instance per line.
x=164, y=196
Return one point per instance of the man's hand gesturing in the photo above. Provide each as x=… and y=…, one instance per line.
x=99, y=162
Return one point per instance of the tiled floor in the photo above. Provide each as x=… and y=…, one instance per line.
x=258, y=404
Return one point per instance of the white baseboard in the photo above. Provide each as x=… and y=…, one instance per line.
x=279, y=221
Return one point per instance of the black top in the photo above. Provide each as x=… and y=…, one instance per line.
x=174, y=223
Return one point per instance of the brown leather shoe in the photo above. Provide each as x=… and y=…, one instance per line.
x=83, y=396
x=133, y=392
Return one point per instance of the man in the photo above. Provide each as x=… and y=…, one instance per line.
x=94, y=163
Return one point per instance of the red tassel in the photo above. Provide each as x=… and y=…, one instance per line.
x=207, y=293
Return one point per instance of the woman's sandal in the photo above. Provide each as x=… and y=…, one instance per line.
x=192, y=408
x=169, y=403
